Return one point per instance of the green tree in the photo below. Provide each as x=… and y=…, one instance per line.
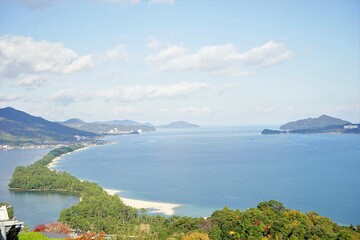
x=32, y=236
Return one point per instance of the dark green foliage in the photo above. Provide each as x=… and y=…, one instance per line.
x=98, y=211
x=271, y=220
x=38, y=177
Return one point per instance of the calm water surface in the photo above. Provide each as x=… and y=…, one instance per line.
x=33, y=208
x=209, y=168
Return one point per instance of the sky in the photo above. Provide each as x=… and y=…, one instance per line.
x=207, y=62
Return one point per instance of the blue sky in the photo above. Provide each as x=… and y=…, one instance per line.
x=208, y=62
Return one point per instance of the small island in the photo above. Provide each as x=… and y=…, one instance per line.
x=179, y=124
x=322, y=124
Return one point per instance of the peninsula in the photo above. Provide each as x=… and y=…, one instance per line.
x=100, y=211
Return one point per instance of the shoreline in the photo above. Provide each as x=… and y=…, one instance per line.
x=152, y=207
x=54, y=162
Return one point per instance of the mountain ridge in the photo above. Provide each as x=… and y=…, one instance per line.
x=21, y=127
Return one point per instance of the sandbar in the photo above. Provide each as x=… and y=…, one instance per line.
x=154, y=207
x=54, y=162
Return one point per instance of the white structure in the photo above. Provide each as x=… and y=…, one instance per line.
x=8, y=227
x=350, y=126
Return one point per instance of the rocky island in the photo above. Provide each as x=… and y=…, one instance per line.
x=322, y=124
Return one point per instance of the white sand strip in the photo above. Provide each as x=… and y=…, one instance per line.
x=156, y=207
x=54, y=162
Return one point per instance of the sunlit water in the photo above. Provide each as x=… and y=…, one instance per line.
x=209, y=168
x=206, y=169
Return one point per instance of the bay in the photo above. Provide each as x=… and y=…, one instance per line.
x=209, y=168
x=32, y=208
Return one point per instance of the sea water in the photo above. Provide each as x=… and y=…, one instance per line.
x=32, y=208
x=208, y=168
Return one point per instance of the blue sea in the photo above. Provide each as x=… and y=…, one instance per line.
x=208, y=168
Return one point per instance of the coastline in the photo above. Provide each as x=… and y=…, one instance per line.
x=154, y=207
x=54, y=162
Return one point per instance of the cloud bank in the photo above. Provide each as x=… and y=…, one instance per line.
x=219, y=59
x=23, y=58
x=132, y=93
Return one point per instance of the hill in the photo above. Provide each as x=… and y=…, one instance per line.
x=313, y=123
x=322, y=124
x=110, y=127
x=20, y=127
x=73, y=121
x=179, y=124
x=126, y=122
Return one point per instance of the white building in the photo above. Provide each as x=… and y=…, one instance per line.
x=9, y=228
x=350, y=126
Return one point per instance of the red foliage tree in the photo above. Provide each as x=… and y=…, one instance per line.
x=40, y=228
x=55, y=227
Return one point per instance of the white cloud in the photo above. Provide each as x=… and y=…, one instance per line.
x=170, y=53
x=196, y=110
x=23, y=56
x=219, y=59
x=152, y=43
x=123, y=1
x=267, y=54
x=11, y=97
x=136, y=1
x=161, y=1
x=138, y=92
x=125, y=110
x=29, y=81
x=37, y=4
x=118, y=53
x=66, y=97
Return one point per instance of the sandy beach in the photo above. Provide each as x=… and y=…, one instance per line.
x=155, y=207
x=54, y=162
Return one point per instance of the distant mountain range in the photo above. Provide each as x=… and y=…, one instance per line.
x=19, y=127
x=122, y=122
x=179, y=124
x=122, y=125
x=108, y=127
x=322, y=124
